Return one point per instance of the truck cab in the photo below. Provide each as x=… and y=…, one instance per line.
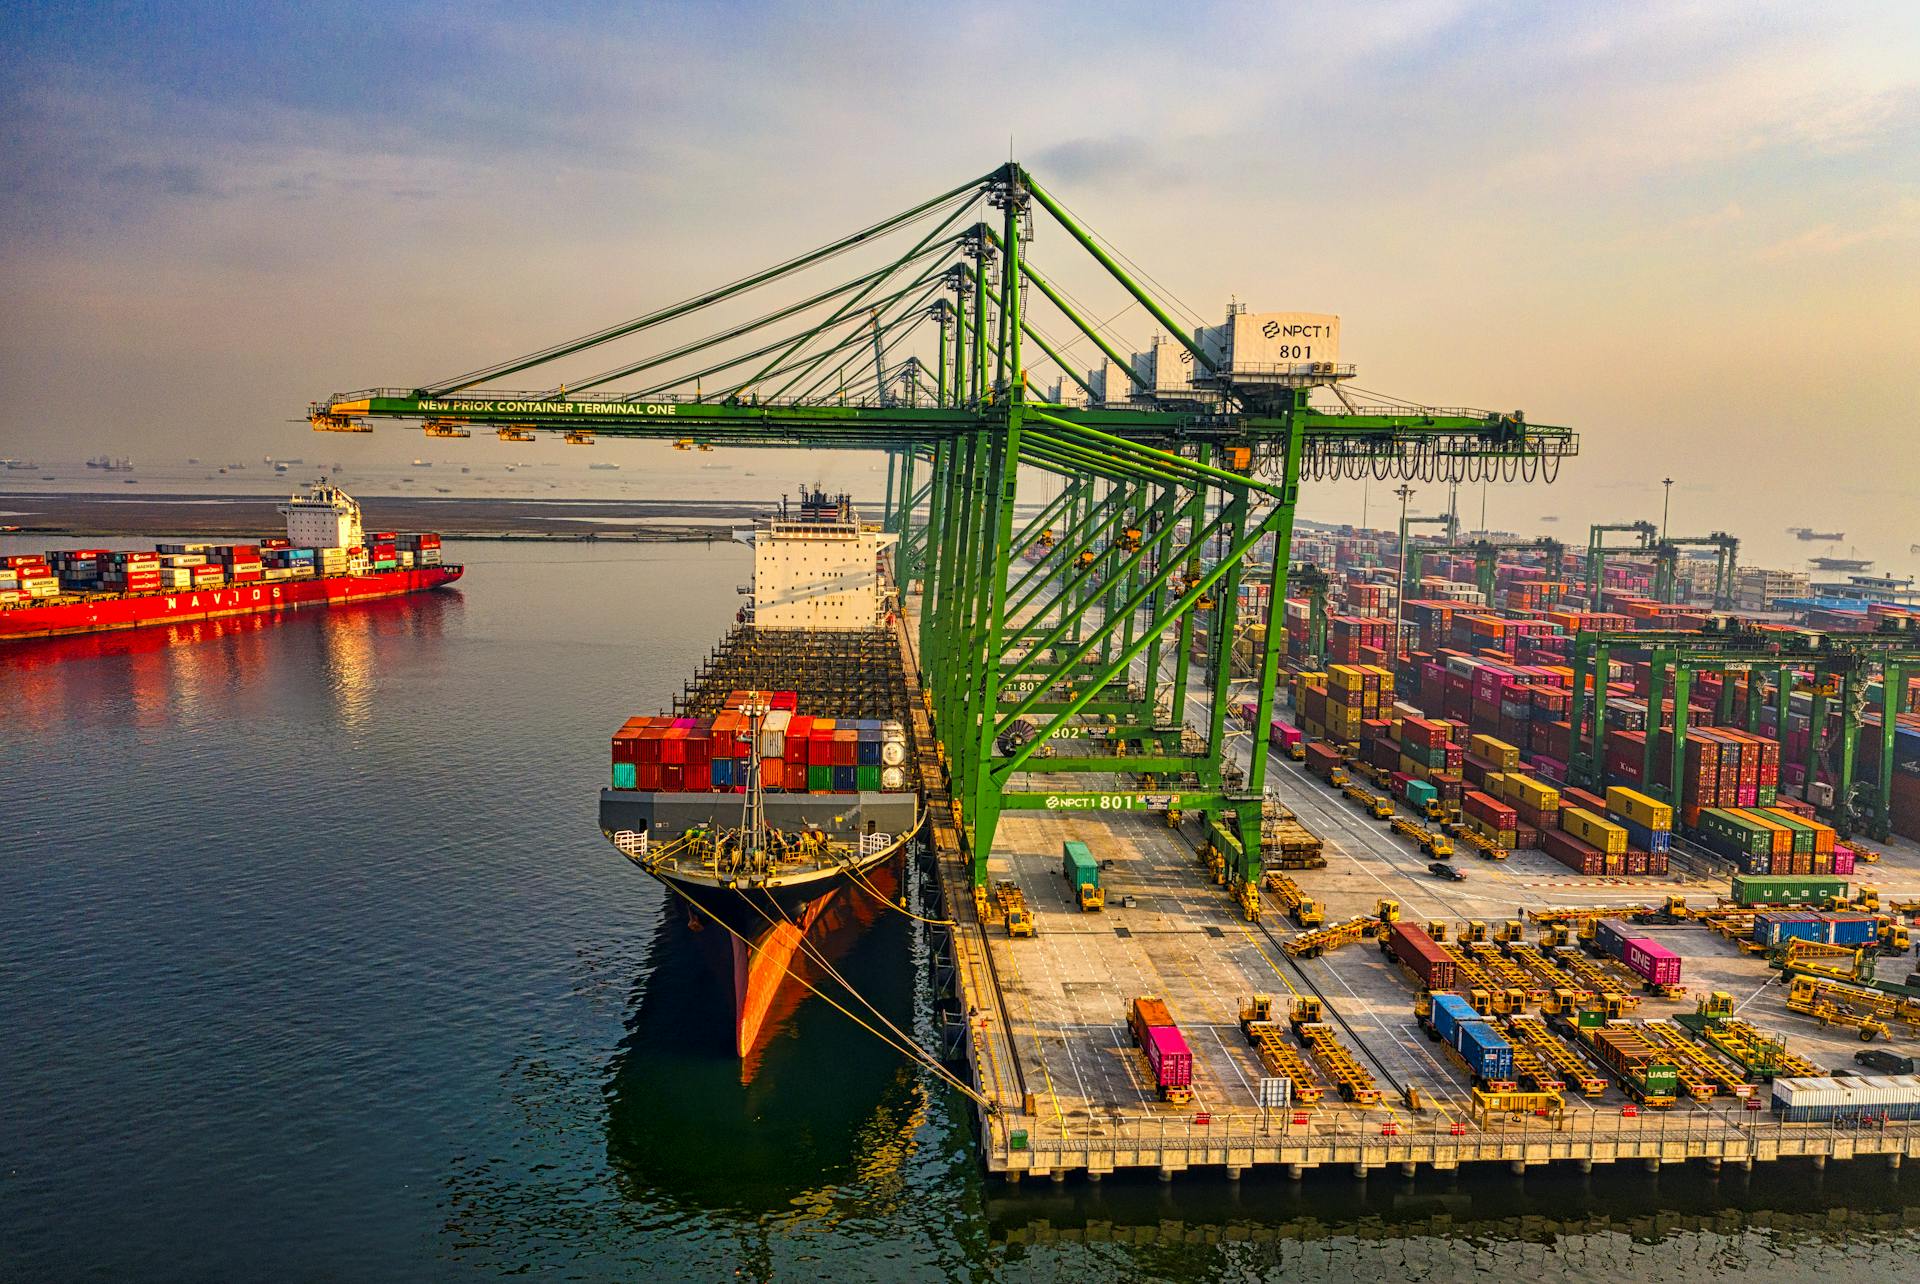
x=1092, y=897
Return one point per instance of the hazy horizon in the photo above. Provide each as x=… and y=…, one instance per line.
x=1690, y=232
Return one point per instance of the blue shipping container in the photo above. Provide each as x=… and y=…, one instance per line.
x=868, y=751
x=846, y=779
x=1852, y=929
x=1486, y=1053
x=1613, y=935
x=1777, y=929
x=1640, y=838
x=723, y=773
x=1449, y=1010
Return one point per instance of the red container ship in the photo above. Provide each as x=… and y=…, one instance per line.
x=326, y=559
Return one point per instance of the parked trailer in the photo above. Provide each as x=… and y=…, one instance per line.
x=1168, y=1055
x=1082, y=872
x=1416, y=951
x=1756, y=889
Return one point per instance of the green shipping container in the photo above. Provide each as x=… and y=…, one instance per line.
x=623, y=776
x=819, y=780
x=1078, y=865
x=1420, y=793
x=869, y=778
x=1759, y=889
x=1802, y=832
x=1736, y=832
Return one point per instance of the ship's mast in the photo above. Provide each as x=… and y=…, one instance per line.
x=753, y=821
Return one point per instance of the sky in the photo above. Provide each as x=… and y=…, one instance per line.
x=1689, y=230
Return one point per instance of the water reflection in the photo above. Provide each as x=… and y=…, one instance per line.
x=1548, y=1224
x=828, y=1105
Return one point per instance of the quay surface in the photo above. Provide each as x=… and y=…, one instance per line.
x=1045, y=1036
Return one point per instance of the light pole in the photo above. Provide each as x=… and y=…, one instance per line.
x=1666, y=503
x=1400, y=596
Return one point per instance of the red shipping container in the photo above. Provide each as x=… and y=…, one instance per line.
x=673, y=750
x=796, y=774
x=699, y=777
x=673, y=777
x=699, y=747
x=647, y=775
x=1571, y=852
x=846, y=748
x=1411, y=945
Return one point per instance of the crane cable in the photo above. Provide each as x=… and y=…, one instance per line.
x=921, y=1052
x=859, y=879
x=906, y=1041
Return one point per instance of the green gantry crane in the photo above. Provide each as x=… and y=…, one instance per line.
x=1599, y=550
x=1159, y=501
x=1840, y=664
x=1666, y=566
x=1486, y=557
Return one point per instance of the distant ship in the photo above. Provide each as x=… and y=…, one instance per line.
x=1809, y=534
x=327, y=559
x=17, y=465
x=111, y=464
x=1841, y=563
x=604, y=468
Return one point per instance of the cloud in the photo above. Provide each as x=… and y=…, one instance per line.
x=1901, y=223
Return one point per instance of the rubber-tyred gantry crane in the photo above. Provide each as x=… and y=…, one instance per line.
x=1163, y=493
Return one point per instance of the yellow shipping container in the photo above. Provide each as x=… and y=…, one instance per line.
x=1498, y=752
x=1497, y=785
x=1418, y=770
x=1385, y=675
x=1346, y=677
x=1540, y=797
x=1649, y=813
x=1591, y=829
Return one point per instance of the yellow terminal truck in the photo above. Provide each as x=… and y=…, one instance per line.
x=1013, y=905
x=1303, y=909
x=1082, y=873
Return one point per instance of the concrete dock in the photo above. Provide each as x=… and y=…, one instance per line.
x=1045, y=1035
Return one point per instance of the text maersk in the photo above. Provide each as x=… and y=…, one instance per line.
x=548, y=407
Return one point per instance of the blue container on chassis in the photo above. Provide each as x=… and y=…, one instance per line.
x=1776, y=929
x=1486, y=1053
x=1449, y=1010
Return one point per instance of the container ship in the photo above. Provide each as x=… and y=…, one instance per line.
x=326, y=559
x=775, y=798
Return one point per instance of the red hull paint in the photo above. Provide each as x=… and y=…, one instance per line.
x=176, y=606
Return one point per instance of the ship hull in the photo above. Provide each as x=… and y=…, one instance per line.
x=146, y=610
x=777, y=936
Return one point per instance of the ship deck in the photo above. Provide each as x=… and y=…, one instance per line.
x=1046, y=1035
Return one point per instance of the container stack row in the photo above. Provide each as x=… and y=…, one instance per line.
x=798, y=753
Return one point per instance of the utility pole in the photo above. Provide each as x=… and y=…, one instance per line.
x=1666, y=502
x=1400, y=586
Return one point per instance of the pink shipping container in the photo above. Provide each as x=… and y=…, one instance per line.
x=1171, y=1059
x=1283, y=735
x=1842, y=859
x=1656, y=963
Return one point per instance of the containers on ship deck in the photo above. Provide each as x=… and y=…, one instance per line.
x=798, y=753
